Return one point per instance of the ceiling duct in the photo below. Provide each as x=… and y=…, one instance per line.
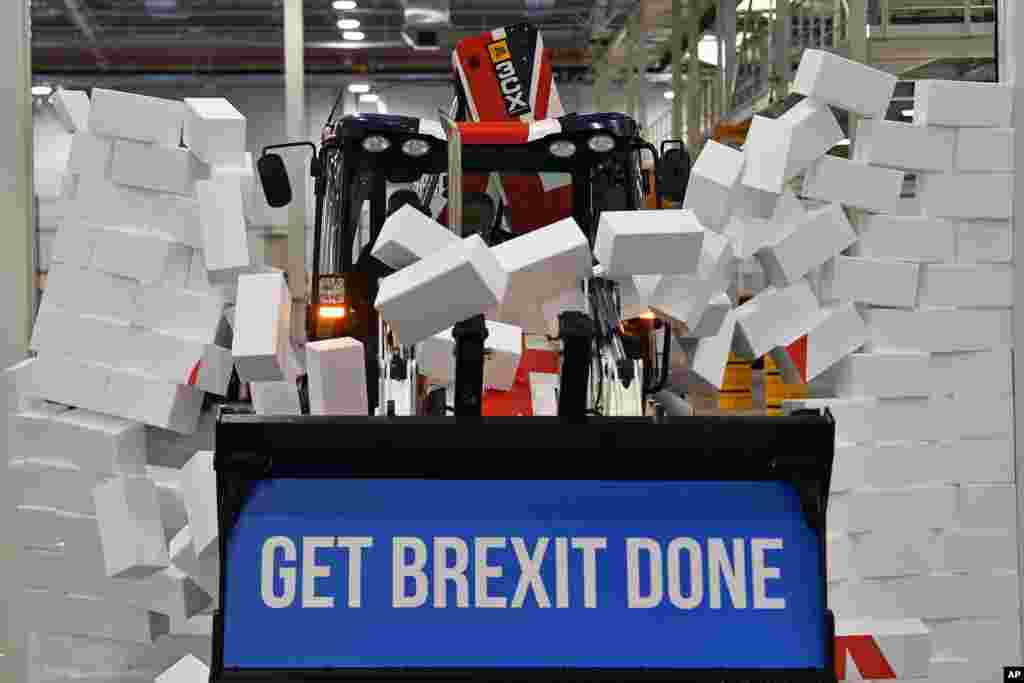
x=426, y=23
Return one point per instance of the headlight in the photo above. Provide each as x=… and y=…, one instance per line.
x=376, y=143
x=416, y=147
x=563, y=149
x=601, y=143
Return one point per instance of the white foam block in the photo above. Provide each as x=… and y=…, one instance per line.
x=80, y=615
x=894, y=144
x=885, y=375
x=844, y=83
x=648, y=242
x=713, y=319
x=713, y=179
x=906, y=644
x=880, y=283
x=262, y=327
x=777, y=317
x=835, y=333
x=408, y=236
x=199, y=491
x=928, y=597
x=115, y=114
x=900, y=466
x=984, y=150
x=820, y=236
x=975, y=551
x=337, y=377
x=187, y=670
x=918, y=508
x=222, y=222
x=152, y=167
x=963, y=104
x=984, y=242
x=853, y=184
x=813, y=132
x=906, y=238
x=938, y=330
x=72, y=109
x=214, y=130
x=967, y=285
x=972, y=373
x=275, y=398
x=90, y=155
x=966, y=195
x=128, y=511
x=449, y=286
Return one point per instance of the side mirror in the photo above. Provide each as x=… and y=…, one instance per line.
x=277, y=188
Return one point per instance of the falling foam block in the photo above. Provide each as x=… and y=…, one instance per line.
x=777, y=317
x=854, y=184
x=885, y=375
x=820, y=236
x=963, y=104
x=124, y=115
x=984, y=150
x=72, y=109
x=906, y=238
x=128, y=512
x=408, y=236
x=337, y=377
x=906, y=644
x=836, y=333
x=713, y=179
x=214, y=130
x=161, y=169
x=880, y=283
x=450, y=285
x=222, y=222
x=711, y=354
x=845, y=84
x=648, y=242
x=262, y=327
x=199, y=491
x=966, y=195
x=275, y=398
x=893, y=144
x=187, y=670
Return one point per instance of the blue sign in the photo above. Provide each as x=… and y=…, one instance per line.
x=335, y=573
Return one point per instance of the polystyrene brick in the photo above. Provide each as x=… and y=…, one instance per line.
x=984, y=150
x=906, y=238
x=222, y=223
x=713, y=179
x=648, y=242
x=408, y=236
x=262, y=327
x=963, y=104
x=152, y=167
x=80, y=615
x=777, y=317
x=128, y=511
x=853, y=184
x=834, y=333
x=449, y=286
x=966, y=195
x=938, y=330
x=187, y=670
x=844, y=83
x=984, y=242
x=885, y=375
x=880, y=283
x=72, y=109
x=813, y=132
x=967, y=285
x=820, y=236
x=90, y=155
x=894, y=144
x=214, y=130
x=199, y=491
x=971, y=373
x=275, y=398
x=337, y=377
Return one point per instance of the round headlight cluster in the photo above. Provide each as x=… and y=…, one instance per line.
x=376, y=143
x=601, y=143
x=416, y=147
x=563, y=149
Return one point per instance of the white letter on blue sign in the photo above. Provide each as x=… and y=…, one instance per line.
x=653, y=550
x=270, y=597
x=311, y=571
x=355, y=545
x=761, y=573
x=675, y=581
x=733, y=572
x=529, y=577
x=484, y=572
x=400, y=571
x=589, y=548
x=455, y=573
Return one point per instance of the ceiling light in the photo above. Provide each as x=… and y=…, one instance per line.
x=42, y=90
x=369, y=97
x=670, y=94
x=353, y=35
x=359, y=87
x=909, y=113
x=342, y=5
x=347, y=24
